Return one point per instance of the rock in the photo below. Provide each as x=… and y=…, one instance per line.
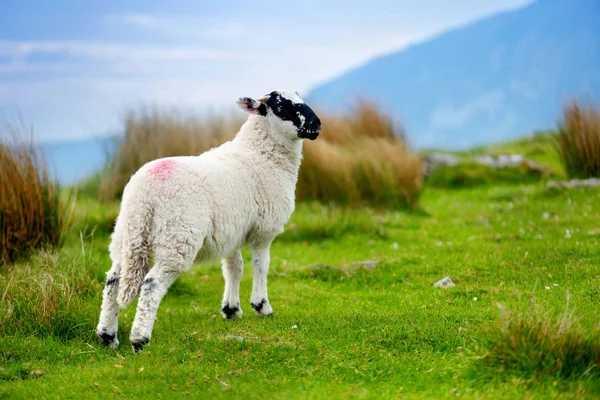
x=508, y=160
x=433, y=161
x=368, y=265
x=574, y=184
x=531, y=166
x=445, y=283
x=553, y=185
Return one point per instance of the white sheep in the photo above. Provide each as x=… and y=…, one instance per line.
x=209, y=206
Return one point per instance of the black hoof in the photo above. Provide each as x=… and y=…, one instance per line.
x=138, y=345
x=107, y=338
x=259, y=306
x=229, y=312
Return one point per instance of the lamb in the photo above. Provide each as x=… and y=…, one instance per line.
x=179, y=209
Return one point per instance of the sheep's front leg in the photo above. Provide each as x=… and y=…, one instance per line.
x=259, y=300
x=233, y=268
x=109, y=314
x=155, y=286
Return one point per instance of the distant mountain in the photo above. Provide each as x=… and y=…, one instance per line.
x=495, y=79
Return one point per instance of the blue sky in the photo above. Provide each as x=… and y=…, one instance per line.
x=72, y=68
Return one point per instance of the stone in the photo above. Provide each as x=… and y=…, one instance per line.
x=445, y=283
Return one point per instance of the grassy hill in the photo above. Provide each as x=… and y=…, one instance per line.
x=356, y=312
x=339, y=330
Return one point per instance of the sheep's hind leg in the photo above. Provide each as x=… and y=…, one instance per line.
x=155, y=286
x=109, y=314
x=259, y=300
x=233, y=268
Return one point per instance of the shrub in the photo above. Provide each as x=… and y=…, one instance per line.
x=578, y=141
x=32, y=213
x=360, y=160
x=470, y=174
x=536, y=343
x=357, y=160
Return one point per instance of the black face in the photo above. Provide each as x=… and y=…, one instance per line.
x=301, y=115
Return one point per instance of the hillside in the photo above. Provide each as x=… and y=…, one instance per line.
x=493, y=80
x=382, y=331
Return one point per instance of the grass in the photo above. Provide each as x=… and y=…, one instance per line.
x=359, y=159
x=578, y=141
x=469, y=174
x=536, y=342
x=52, y=295
x=33, y=214
x=338, y=331
x=538, y=147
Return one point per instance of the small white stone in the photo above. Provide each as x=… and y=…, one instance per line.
x=294, y=326
x=445, y=283
x=556, y=285
x=474, y=298
x=547, y=287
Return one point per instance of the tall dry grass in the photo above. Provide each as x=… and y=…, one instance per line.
x=578, y=141
x=32, y=215
x=359, y=159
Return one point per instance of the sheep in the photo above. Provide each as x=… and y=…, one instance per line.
x=179, y=209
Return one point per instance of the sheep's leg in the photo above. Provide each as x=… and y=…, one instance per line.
x=109, y=314
x=233, y=268
x=155, y=286
x=260, y=300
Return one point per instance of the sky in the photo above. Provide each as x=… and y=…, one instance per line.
x=71, y=69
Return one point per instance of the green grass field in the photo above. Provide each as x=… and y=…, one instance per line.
x=339, y=331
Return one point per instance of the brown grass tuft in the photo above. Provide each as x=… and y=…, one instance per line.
x=358, y=160
x=578, y=141
x=32, y=215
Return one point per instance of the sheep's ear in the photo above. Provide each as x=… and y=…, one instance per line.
x=252, y=106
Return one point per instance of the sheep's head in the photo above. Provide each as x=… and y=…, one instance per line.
x=287, y=111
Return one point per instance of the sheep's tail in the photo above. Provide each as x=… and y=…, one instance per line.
x=134, y=224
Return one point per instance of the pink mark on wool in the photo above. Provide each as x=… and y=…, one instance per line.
x=163, y=169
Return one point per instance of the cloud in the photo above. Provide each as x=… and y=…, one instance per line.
x=180, y=26
x=20, y=50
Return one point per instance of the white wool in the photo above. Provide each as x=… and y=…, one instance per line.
x=184, y=208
